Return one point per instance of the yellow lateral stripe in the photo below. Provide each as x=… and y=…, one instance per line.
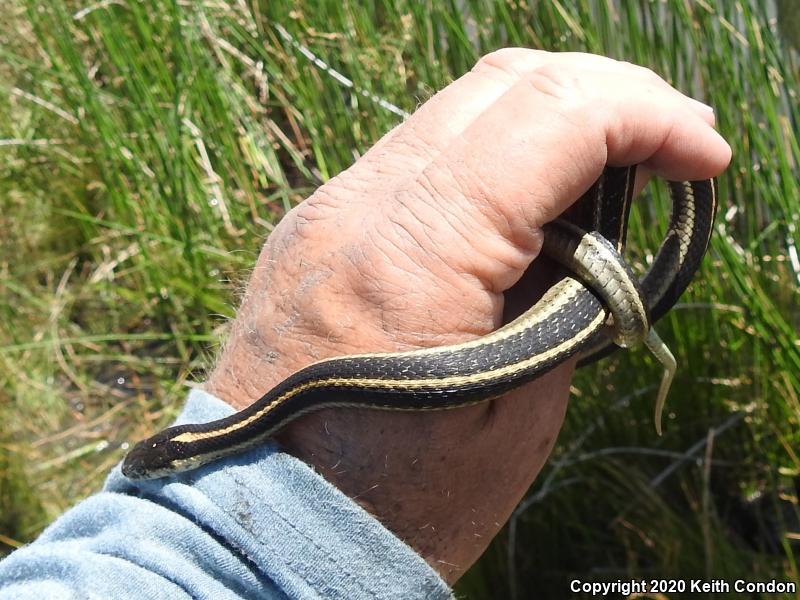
x=564, y=290
x=453, y=381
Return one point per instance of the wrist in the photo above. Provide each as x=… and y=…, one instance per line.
x=277, y=335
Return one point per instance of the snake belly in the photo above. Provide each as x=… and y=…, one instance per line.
x=569, y=319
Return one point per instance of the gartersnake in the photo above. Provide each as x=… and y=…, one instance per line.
x=569, y=319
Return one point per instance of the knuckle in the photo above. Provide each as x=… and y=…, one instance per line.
x=651, y=75
x=499, y=58
x=505, y=60
x=563, y=84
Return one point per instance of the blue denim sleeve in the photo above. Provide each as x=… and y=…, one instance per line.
x=258, y=525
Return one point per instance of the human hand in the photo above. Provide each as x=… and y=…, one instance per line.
x=427, y=240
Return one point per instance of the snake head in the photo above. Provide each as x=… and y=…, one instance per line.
x=154, y=457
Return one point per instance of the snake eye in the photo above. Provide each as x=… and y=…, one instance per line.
x=149, y=458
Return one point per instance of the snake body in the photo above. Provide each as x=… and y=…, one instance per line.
x=570, y=319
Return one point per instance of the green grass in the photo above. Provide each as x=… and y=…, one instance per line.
x=148, y=147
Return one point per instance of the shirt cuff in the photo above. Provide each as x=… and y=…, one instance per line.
x=301, y=531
